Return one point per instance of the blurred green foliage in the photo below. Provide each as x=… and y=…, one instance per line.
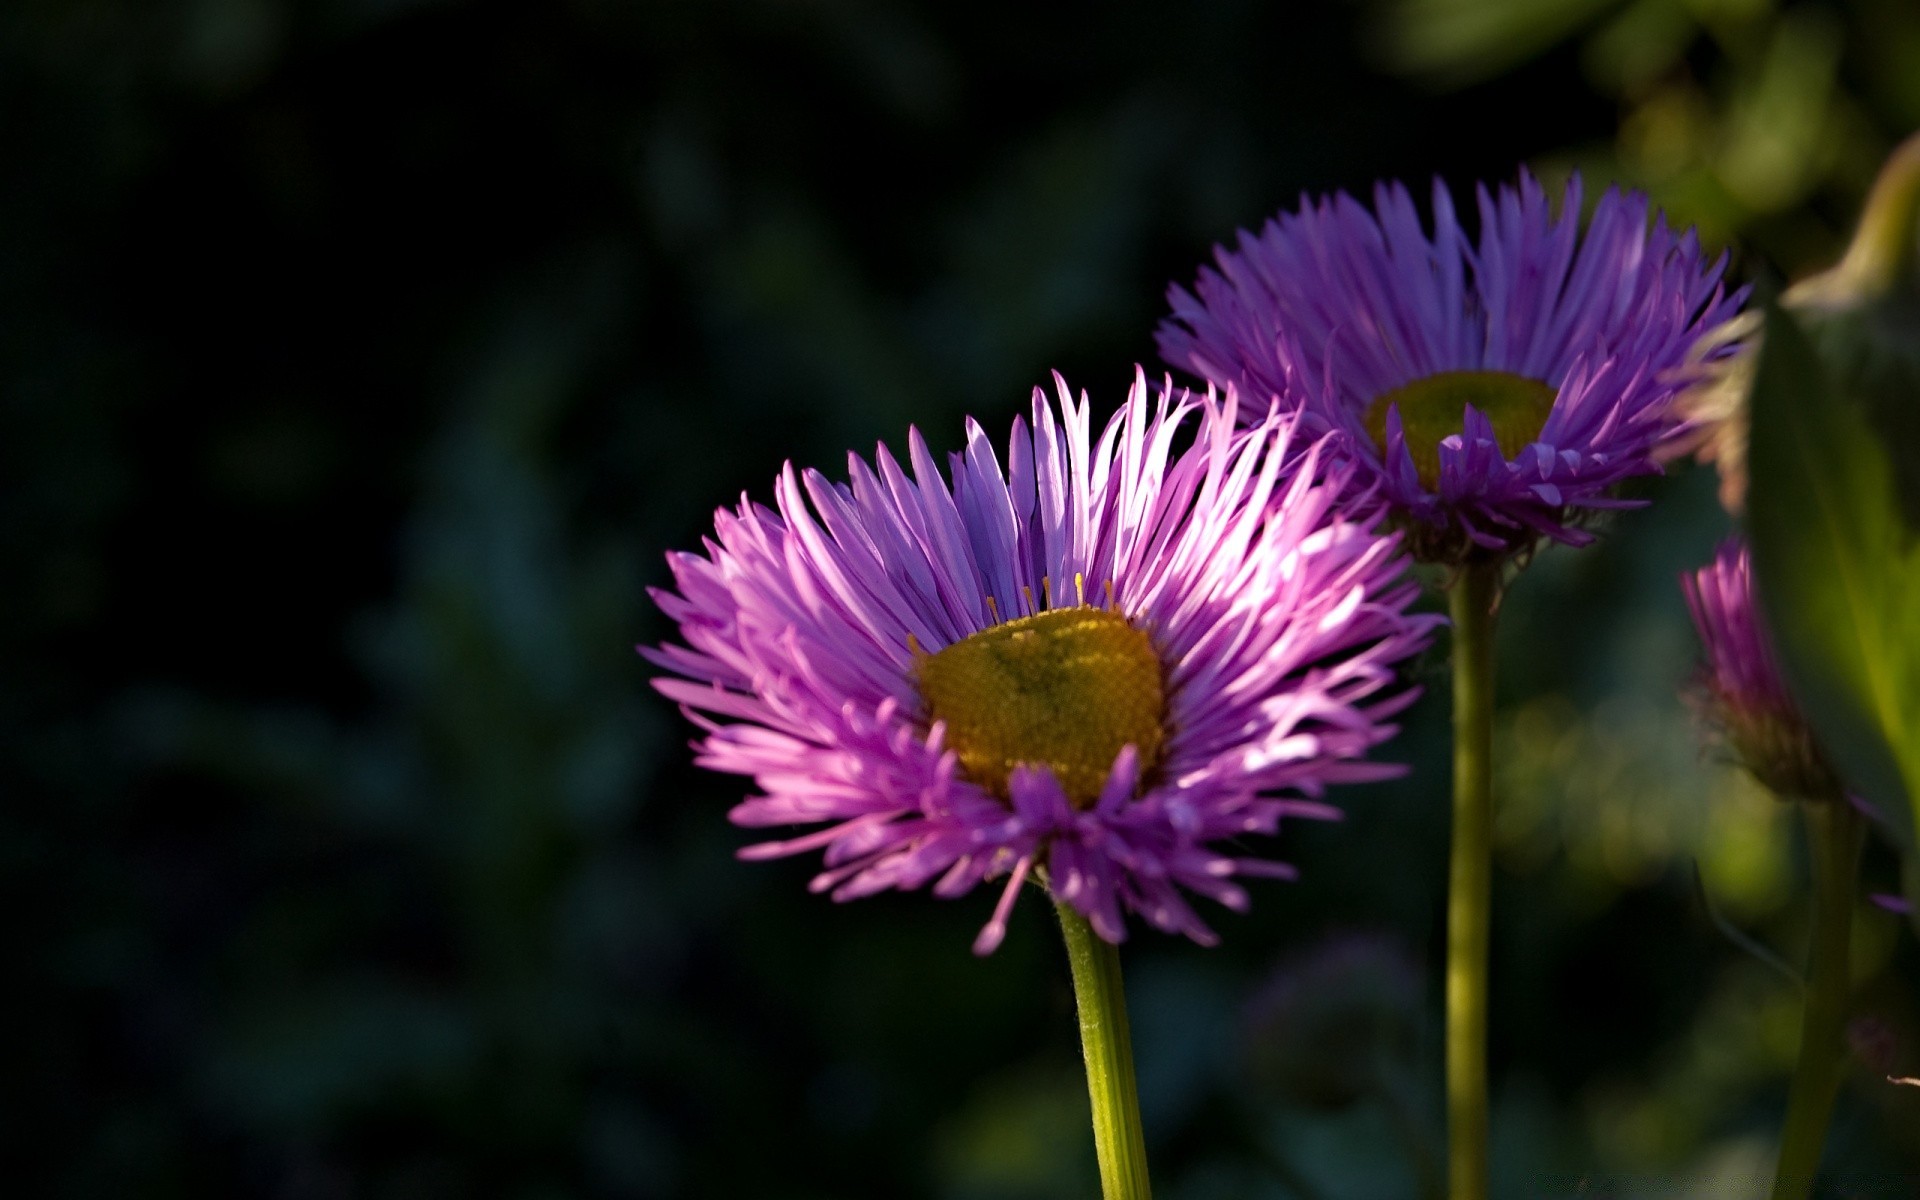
x=1762, y=120
x=361, y=359
x=1837, y=549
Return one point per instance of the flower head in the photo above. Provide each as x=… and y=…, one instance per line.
x=1493, y=391
x=1335, y=1021
x=1741, y=688
x=1093, y=665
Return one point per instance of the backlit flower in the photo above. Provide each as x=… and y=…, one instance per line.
x=1495, y=390
x=1105, y=664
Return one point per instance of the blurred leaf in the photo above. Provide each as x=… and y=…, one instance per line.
x=1778, y=135
x=1838, y=569
x=1640, y=45
x=1462, y=41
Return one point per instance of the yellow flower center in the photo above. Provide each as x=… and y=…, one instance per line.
x=1434, y=408
x=1064, y=689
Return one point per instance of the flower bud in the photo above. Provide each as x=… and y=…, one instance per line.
x=1741, y=693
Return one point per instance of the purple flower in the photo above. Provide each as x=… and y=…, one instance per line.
x=1091, y=666
x=1741, y=690
x=1492, y=391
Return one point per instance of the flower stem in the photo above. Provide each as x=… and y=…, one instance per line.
x=1834, y=836
x=1470, y=879
x=1102, y=1001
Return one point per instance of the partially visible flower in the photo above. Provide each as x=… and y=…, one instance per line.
x=1105, y=664
x=1713, y=409
x=1332, y=1022
x=1741, y=691
x=1889, y=902
x=1494, y=391
x=1875, y=1043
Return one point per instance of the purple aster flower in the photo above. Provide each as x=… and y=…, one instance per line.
x=1493, y=391
x=1742, y=692
x=1093, y=665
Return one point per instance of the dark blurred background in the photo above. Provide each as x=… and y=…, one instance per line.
x=361, y=357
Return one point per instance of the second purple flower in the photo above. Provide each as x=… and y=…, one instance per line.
x=1493, y=389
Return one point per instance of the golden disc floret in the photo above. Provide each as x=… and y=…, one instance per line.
x=1065, y=689
x=1433, y=409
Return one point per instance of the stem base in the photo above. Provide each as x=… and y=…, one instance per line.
x=1470, y=878
x=1108, y=1046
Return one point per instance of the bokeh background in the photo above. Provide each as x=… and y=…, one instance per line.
x=361, y=357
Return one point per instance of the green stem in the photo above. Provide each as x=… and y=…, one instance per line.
x=1834, y=836
x=1470, y=879
x=1102, y=1001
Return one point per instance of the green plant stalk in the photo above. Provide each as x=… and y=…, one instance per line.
x=1834, y=836
x=1108, y=1047
x=1470, y=879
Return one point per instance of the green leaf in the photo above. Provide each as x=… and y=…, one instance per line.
x=1837, y=562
